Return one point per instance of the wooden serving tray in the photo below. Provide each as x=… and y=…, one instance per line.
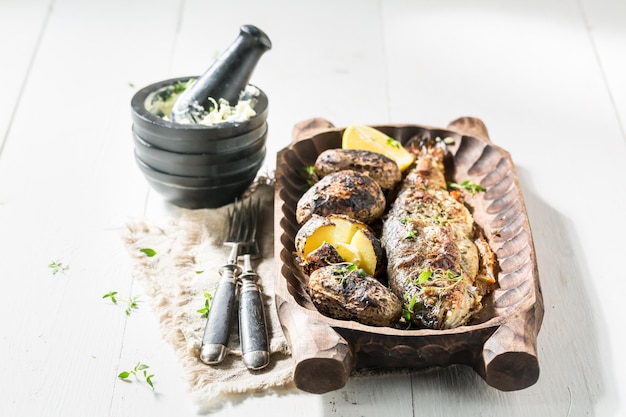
x=499, y=344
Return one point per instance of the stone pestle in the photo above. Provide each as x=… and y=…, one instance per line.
x=226, y=78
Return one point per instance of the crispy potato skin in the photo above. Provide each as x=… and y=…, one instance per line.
x=351, y=295
x=344, y=192
x=323, y=256
x=379, y=167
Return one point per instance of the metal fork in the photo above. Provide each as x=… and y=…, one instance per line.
x=241, y=236
x=217, y=330
x=252, y=324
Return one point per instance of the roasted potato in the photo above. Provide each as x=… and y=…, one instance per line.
x=325, y=255
x=345, y=292
x=344, y=192
x=350, y=241
x=379, y=167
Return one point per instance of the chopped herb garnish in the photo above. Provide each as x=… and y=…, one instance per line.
x=345, y=270
x=204, y=311
x=394, y=143
x=311, y=176
x=424, y=276
x=467, y=185
x=410, y=304
x=58, y=267
x=148, y=252
x=171, y=90
x=441, y=220
x=132, y=305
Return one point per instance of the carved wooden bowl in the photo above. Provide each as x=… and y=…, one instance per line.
x=499, y=344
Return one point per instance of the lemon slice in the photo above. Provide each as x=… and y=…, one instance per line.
x=373, y=140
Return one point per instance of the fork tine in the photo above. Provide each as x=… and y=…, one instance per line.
x=236, y=227
x=251, y=217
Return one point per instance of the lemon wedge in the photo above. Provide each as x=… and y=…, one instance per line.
x=369, y=139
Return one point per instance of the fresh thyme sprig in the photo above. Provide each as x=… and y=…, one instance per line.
x=139, y=369
x=57, y=267
x=345, y=270
x=208, y=298
x=131, y=303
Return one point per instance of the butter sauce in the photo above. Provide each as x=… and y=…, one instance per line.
x=160, y=104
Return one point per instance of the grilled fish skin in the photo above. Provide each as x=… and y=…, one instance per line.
x=439, y=263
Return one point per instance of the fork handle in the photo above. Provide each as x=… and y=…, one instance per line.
x=217, y=330
x=252, y=325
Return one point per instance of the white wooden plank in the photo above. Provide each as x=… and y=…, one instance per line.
x=605, y=23
x=68, y=184
x=21, y=24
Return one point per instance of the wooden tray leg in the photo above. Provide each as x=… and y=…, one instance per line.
x=509, y=357
x=322, y=358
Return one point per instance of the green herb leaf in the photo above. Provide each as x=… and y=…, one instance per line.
x=311, y=176
x=467, y=185
x=111, y=295
x=411, y=234
x=424, y=276
x=394, y=143
x=452, y=276
x=149, y=380
x=148, y=252
x=138, y=370
x=57, y=267
x=410, y=306
x=131, y=303
x=208, y=297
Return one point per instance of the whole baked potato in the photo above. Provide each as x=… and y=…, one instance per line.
x=379, y=167
x=346, y=292
x=343, y=192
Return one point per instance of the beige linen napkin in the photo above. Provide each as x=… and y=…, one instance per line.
x=189, y=251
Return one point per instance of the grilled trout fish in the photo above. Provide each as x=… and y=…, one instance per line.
x=439, y=263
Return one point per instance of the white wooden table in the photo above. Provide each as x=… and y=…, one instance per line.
x=546, y=76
